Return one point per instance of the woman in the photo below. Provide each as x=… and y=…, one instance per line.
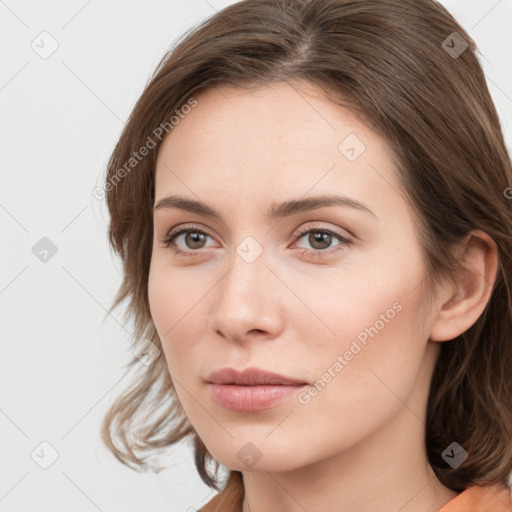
x=310, y=201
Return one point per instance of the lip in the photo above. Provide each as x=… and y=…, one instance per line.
x=251, y=376
x=252, y=389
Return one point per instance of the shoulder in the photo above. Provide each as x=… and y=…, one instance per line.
x=488, y=498
x=230, y=498
x=213, y=505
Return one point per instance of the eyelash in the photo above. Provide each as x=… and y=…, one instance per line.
x=167, y=242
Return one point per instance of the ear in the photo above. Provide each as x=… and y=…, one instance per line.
x=461, y=304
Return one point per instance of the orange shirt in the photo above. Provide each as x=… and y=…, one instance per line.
x=490, y=498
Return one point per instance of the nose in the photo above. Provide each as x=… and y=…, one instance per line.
x=248, y=301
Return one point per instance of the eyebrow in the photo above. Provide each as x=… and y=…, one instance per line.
x=276, y=211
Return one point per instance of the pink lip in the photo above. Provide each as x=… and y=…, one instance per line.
x=252, y=389
x=251, y=376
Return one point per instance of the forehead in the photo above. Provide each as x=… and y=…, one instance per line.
x=290, y=118
x=280, y=140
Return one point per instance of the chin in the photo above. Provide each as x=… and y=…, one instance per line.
x=253, y=456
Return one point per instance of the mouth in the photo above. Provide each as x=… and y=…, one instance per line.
x=252, y=389
x=251, y=377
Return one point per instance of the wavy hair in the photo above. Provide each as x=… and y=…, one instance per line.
x=411, y=71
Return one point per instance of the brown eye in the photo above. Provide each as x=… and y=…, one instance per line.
x=193, y=240
x=320, y=240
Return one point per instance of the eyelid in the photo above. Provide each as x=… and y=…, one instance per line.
x=296, y=231
x=191, y=227
x=337, y=230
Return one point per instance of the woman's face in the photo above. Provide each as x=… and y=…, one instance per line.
x=278, y=291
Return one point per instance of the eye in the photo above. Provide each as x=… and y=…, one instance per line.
x=321, y=239
x=194, y=238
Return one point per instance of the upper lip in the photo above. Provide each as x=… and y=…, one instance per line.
x=250, y=377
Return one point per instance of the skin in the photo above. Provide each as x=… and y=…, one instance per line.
x=358, y=445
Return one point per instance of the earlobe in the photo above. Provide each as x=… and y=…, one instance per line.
x=464, y=301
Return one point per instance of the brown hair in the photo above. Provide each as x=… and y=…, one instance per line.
x=399, y=65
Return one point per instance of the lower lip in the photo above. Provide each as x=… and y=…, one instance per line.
x=251, y=398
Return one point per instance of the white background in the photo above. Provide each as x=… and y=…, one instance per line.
x=62, y=358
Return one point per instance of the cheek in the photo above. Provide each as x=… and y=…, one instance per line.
x=368, y=296
x=362, y=329
x=361, y=377
x=175, y=301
